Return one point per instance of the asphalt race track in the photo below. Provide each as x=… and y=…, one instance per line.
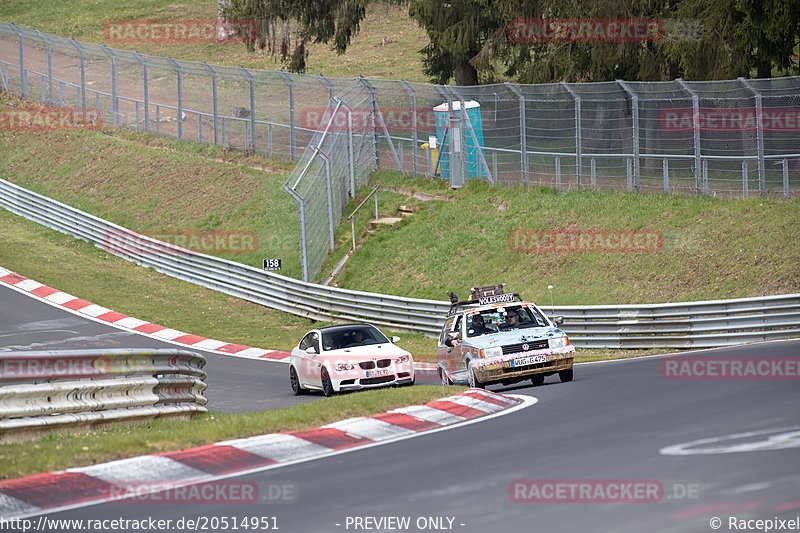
x=615, y=422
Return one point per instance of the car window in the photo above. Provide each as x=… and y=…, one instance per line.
x=480, y=324
x=447, y=328
x=310, y=340
x=356, y=336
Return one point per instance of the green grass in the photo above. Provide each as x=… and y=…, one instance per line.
x=713, y=247
x=59, y=451
x=84, y=21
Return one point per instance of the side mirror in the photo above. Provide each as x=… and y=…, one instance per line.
x=395, y=339
x=311, y=350
x=558, y=320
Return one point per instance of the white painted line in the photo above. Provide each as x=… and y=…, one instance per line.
x=253, y=352
x=130, y=322
x=94, y=310
x=370, y=428
x=278, y=447
x=168, y=334
x=423, y=412
x=60, y=297
x=28, y=284
x=143, y=468
x=209, y=344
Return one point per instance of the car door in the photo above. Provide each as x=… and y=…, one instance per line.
x=459, y=368
x=310, y=363
x=444, y=353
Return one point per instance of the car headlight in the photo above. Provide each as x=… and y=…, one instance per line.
x=559, y=342
x=341, y=367
x=402, y=359
x=492, y=352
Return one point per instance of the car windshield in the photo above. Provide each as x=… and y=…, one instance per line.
x=504, y=319
x=355, y=336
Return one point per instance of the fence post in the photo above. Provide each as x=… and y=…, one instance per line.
x=578, y=141
x=785, y=178
x=329, y=190
x=558, y=174
x=252, y=109
x=762, y=182
x=523, y=134
x=23, y=79
x=303, y=244
x=637, y=163
x=665, y=169
x=698, y=170
x=328, y=84
x=114, y=104
x=213, y=99
x=593, y=169
x=629, y=173
x=46, y=39
x=745, y=185
x=146, y=101
x=350, y=152
x=414, y=141
x=83, y=72
x=180, y=97
x=292, y=132
x=376, y=147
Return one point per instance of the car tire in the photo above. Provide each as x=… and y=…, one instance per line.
x=473, y=380
x=294, y=379
x=565, y=375
x=327, y=385
x=444, y=378
x=537, y=379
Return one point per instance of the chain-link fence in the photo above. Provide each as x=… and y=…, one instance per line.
x=731, y=137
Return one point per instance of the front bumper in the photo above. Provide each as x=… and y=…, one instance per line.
x=499, y=369
x=401, y=378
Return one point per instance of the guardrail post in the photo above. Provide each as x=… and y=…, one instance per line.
x=47, y=41
x=23, y=79
x=698, y=171
x=292, y=133
x=414, y=140
x=146, y=101
x=114, y=102
x=252, y=109
x=213, y=99
x=637, y=162
x=523, y=134
x=83, y=73
x=578, y=128
x=180, y=97
x=762, y=181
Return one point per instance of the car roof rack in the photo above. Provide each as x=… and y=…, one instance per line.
x=486, y=295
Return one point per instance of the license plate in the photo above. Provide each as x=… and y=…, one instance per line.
x=530, y=360
x=380, y=372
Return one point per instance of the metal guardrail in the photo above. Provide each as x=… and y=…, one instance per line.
x=40, y=391
x=678, y=325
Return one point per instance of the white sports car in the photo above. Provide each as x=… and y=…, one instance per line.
x=349, y=357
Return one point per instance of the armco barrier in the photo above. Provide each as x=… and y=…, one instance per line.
x=47, y=390
x=675, y=325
